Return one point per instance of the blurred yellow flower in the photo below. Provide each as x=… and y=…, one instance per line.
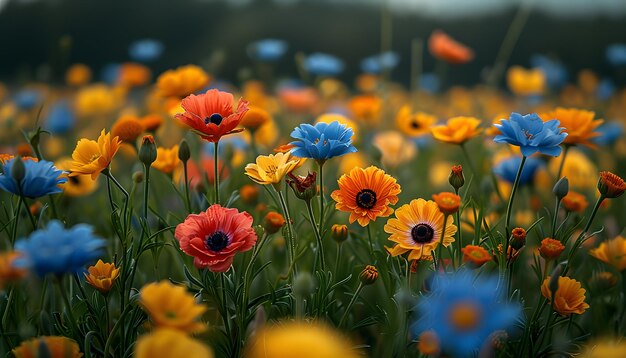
x=569, y=297
x=604, y=349
x=581, y=172
x=267, y=134
x=612, y=252
x=457, y=130
x=523, y=82
x=254, y=118
x=171, y=306
x=167, y=159
x=579, y=124
x=270, y=169
x=78, y=75
x=102, y=276
x=301, y=340
x=395, y=148
x=182, y=81
x=77, y=185
x=352, y=160
x=168, y=343
x=8, y=272
x=53, y=346
x=96, y=100
x=91, y=157
x=414, y=124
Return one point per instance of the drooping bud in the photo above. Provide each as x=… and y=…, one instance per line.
x=148, y=150
x=369, y=275
x=456, y=178
x=183, y=151
x=303, y=187
x=561, y=188
x=518, y=238
x=339, y=232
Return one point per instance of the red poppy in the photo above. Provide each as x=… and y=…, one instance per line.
x=445, y=48
x=214, y=237
x=211, y=115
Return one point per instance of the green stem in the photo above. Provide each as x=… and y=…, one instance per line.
x=124, y=215
x=440, y=246
x=547, y=328
x=581, y=237
x=225, y=317
x=16, y=221
x=53, y=207
x=369, y=238
x=468, y=160
x=187, y=199
x=29, y=213
x=321, y=169
x=68, y=306
x=556, y=214
x=565, y=150
x=349, y=307
x=216, y=177
x=318, y=237
x=507, y=222
x=291, y=242
x=146, y=190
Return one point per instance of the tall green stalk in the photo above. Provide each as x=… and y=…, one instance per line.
x=216, y=176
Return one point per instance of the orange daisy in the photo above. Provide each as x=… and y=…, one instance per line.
x=91, y=157
x=366, y=194
x=579, y=124
x=418, y=228
x=457, y=130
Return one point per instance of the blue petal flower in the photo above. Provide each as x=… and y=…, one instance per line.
x=555, y=72
x=145, y=50
x=380, y=63
x=507, y=169
x=610, y=132
x=322, y=141
x=531, y=134
x=55, y=250
x=323, y=64
x=40, y=179
x=27, y=99
x=61, y=118
x=449, y=292
x=429, y=82
x=616, y=54
x=267, y=50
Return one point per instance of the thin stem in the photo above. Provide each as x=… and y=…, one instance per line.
x=369, y=238
x=321, y=223
x=16, y=221
x=565, y=150
x=216, y=177
x=556, y=214
x=224, y=303
x=468, y=160
x=187, y=199
x=354, y=297
x=509, y=207
x=440, y=246
x=581, y=237
x=53, y=207
x=68, y=306
x=318, y=237
x=337, y=258
x=146, y=190
x=291, y=242
x=109, y=175
x=29, y=213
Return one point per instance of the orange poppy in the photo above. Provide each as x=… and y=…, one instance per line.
x=444, y=47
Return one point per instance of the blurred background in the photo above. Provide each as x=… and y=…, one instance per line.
x=41, y=38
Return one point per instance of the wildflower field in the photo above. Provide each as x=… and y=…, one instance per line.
x=181, y=214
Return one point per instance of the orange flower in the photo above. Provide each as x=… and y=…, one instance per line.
x=569, y=297
x=575, y=202
x=366, y=194
x=611, y=185
x=550, y=248
x=366, y=108
x=428, y=343
x=523, y=82
x=447, y=202
x=255, y=117
x=182, y=81
x=134, y=75
x=445, y=48
x=167, y=159
x=77, y=75
x=249, y=193
x=414, y=124
x=53, y=346
x=518, y=238
x=151, y=122
x=91, y=157
x=102, y=276
x=612, y=252
x=273, y=222
x=8, y=272
x=211, y=114
x=127, y=129
x=476, y=256
x=457, y=130
x=579, y=125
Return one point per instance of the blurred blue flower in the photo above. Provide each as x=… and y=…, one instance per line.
x=40, y=178
x=555, y=72
x=605, y=89
x=478, y=304
x=145, y=50
x=27, y=99
x=616, y=54
x=610, y=132
x=531, y=134
x=226, y=143
x=60, y=119
x=55, y=250
x=267, y=50
x=323, y=64
x=429, y=82
x=322, y=141
x=110, y=73
x=507, y=169
x=380, y=63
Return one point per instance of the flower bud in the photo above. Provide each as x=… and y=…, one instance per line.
x=456, y=178
x=273, y=222
x=339, y=232
x=518, y=238
x=561, y=188
x=303, y=284
x=303, y=187
x=183, y=151
x=369, y=275
x=550, y=248
x=611, y=185
x=18, y=170
x=148, y=150
x=249, y=193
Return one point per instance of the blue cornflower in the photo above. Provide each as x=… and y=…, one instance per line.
x=610, y=132
x=322, y=141
x=56, y=250
x=61, y=118
x=531, y=134
x=110, y=73
x=616, y=54
x=27, y=99
x=463, y=312
x=605, y=89
x=323, y=64
x=379, y=63
x=145, y=50
x=429, y=82
x=555, y=72
x=40, y=178
x=267, y=50
x=507, y=169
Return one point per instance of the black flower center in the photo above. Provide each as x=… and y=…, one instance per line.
x=215, y=118
x=74, y=180
x=217, y=241
x=422, y=233
x=415, y=125
x=366, y=199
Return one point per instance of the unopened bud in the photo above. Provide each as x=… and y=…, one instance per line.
x=561, y=188
x=183, y=151
x=518, y=238
x=18, y=170
x=273, y=222
x=339, y=233
x=369, y=275
x=303, y=284
x=148, y=150
x=456, y=178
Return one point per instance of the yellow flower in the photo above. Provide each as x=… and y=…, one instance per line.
x=8, y=272
x=102, y=276
x=579, y=124
x=570, y=296
x=605, y=349
x=612, y=252
x=171, y=306
x=352, y=160
x=395, y=148
x=48, y=346
x=167, y=159
x=182, y=81
x=76, y=185
x=417, y=229
x=91, y=157
x=301, y=340
x=581, y=172
x=457, y=130
x=167, y=343
x=334, y=117
x=523, y=82
x=95, y=100
x=270, y=169
x=414, y=124
x=254, y=118
x=267, y=134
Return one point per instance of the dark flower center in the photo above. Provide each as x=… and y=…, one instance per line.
x=366, y=199
x=217, y=241
x=422, y=233
x=415, y=125
x=74, y=180
x=215, y=118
